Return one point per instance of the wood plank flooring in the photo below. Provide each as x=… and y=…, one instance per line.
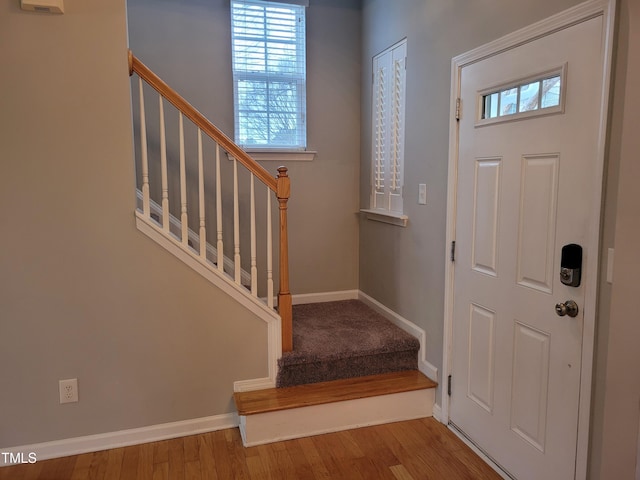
x=274, y=399
x=411, y=450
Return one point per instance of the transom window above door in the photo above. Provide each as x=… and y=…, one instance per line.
x=540, y=94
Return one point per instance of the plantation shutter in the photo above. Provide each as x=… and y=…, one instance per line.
x=380, y=80
x=389, y=80
x=269, y=73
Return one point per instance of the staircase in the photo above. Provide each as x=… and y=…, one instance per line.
x=345, y=339
x=339, y=364
x=350, y=367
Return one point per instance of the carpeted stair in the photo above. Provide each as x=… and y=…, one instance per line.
x=344, y=339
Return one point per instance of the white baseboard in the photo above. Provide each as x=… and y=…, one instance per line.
x=190, y=257
x=124, y=438
x=253, y=384
x=224, y=283
x=153, y=433
x=437, y=412
x=175, y=227
x=424, y=366
x=324, y=297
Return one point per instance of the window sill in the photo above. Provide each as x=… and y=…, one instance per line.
x=392, y=218
x=280, y=155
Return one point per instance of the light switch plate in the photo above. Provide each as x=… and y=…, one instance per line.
x=422, y=194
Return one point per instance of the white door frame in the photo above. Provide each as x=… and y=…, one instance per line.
x=577, y=14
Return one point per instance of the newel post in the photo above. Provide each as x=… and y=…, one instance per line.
x=284, y=296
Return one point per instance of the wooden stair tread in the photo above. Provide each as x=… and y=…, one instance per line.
x=274, y=399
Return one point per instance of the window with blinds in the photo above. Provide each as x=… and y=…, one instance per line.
x=389, y=79
x=269, y=73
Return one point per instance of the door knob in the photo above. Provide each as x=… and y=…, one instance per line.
x=567, y=308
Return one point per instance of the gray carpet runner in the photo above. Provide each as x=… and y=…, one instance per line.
x=344, y=339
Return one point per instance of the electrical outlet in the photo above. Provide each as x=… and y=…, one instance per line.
x=68, y=390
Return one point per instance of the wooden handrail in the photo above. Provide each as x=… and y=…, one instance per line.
x=200, y=120
x=281, y=185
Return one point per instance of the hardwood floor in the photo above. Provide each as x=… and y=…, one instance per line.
x=411, y=450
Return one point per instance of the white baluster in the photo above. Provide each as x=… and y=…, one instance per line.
x=183, y=188
x=163, y=168
x=236, y=226
x=254, y=262
x=269, y=253
x=220, y=245
x=203, y=230
x=143, y=152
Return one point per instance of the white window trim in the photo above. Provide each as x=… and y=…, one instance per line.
x=298, y=76
x=302, y=3
x=275, y=154
x=393, y=218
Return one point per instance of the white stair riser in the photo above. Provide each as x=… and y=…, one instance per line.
x=301, y=422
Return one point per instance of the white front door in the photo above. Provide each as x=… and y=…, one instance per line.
x=526, y=171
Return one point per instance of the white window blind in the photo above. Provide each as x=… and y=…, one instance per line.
x=269, y=74
x=389, y=79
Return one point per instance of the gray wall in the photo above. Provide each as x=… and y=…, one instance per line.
x=616, y=409
x=412, y=279
x=403, y=268
x=188, y=44
x=82, y=293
